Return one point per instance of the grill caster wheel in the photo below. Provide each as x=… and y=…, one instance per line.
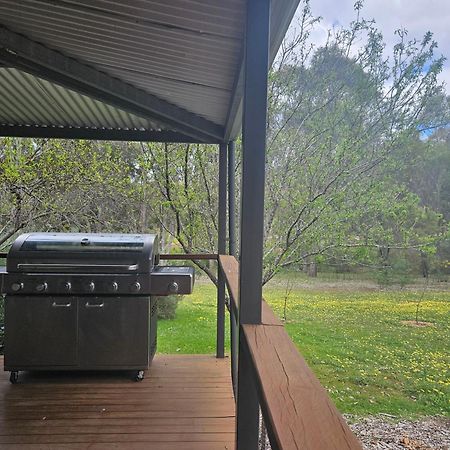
x=139, y=375
x=14, y=377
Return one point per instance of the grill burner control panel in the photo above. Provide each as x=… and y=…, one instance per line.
x=64, y=284
x=162, y=281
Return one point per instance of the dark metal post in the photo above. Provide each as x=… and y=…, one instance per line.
x=253, y=160
x=231, y=199
x=252, y=211
x=222, y=249
x=234, y=330
x=234, y=335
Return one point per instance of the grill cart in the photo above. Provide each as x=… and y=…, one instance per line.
x=85, y=301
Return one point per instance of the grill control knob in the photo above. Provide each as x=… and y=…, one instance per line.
x=42, y=287
x=136, y=287
x=16, y=287
x=173, y=287
x=68, y=286
x=91, y=286
x=114, y=286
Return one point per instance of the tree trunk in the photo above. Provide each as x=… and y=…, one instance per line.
x=312, y=269
x=424, y=266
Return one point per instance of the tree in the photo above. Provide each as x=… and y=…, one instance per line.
x=183, y=182
x=339, y=119
x=62, y=186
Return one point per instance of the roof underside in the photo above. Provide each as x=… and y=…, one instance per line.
x=135, y=70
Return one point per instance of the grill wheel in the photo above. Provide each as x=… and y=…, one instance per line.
x=139, y=375
x=14, y=377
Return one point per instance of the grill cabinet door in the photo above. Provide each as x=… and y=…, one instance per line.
x=114, y=332
x=40, y=332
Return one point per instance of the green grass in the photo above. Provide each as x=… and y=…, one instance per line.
x=194, y=328
x=355, y=342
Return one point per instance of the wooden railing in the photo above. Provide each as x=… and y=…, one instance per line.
x=297, y=410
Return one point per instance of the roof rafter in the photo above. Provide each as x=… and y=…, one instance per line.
x=95, y=134
x=32, y=57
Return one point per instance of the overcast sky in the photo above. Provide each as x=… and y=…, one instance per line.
x=417, y=16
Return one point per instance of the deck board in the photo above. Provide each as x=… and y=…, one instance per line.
x=184, y=402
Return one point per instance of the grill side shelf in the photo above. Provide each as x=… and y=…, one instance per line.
x=169, y=280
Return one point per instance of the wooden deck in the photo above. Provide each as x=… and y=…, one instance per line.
x=185, y=402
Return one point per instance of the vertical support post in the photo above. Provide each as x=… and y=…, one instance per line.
x=222, y=248
x=234, y=328
x=252, y=211
x=231, y=198
x=253, y=160
x=234, y=338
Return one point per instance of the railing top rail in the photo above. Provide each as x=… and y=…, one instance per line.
x=298, y=411
x=230, y=268
x=188, y=256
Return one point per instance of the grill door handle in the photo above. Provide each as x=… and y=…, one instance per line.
x=94, y=305
x=61, y=305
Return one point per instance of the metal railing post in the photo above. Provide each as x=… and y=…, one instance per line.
x=222, y=248
x=234, y=322
x=234, y=349
x=231, y=198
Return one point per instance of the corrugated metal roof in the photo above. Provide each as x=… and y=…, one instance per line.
x=186, y=52
x=28, y=100
x=192, y=44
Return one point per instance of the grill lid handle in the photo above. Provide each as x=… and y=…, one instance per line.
x=41, y=267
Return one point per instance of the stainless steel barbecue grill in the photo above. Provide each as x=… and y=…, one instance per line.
x=85, y=301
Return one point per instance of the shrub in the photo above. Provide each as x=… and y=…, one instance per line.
x=167, y=306
x=402, y=272
x=383, y=276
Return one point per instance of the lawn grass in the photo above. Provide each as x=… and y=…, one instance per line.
x=194, y=328
x=355, y=342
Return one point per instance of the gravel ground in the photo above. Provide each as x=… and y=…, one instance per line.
x=384, y=432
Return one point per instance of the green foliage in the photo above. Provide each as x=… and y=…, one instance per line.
x=341, y=119
x=383, y=276
x=181, y=181
x=167, y=306
x=398, y=273
x=57, y=185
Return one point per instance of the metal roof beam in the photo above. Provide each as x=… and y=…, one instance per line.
x=278, y=31
x=37, y=59
x=100, y=134
x=234, y=115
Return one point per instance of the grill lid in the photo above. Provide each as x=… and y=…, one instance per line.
x=83, y=253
